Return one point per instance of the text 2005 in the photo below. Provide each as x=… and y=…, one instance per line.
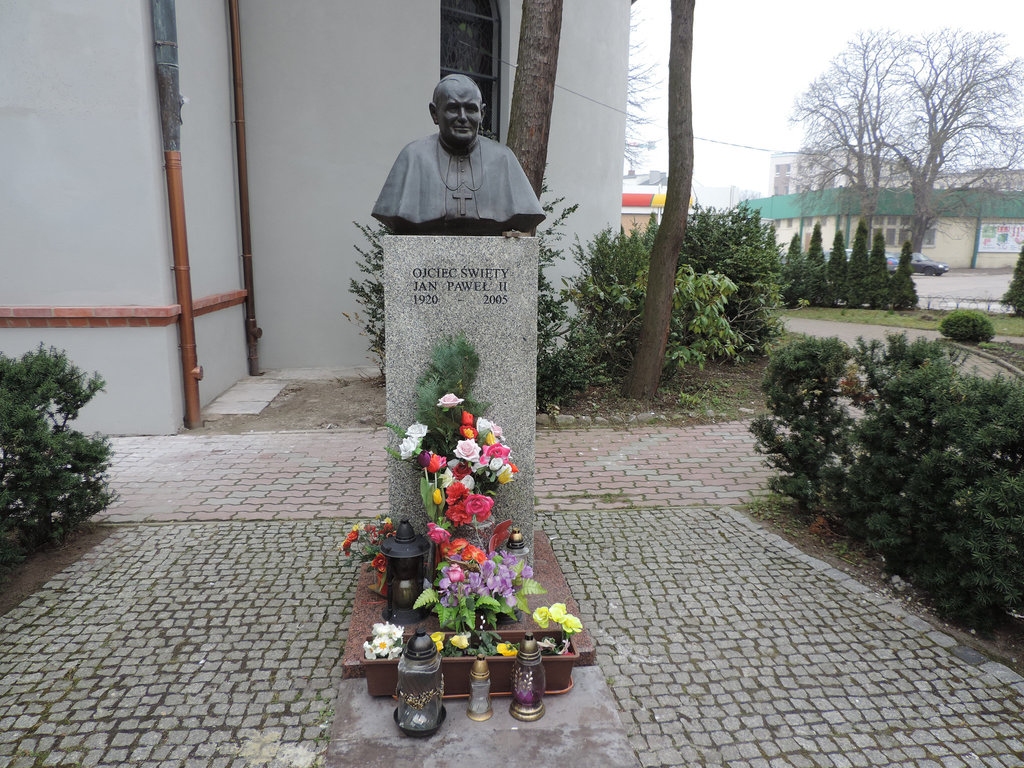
x=496, y=299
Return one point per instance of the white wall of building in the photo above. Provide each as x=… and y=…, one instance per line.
x=82, y=190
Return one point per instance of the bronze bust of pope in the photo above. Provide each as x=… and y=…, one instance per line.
x=457, y=182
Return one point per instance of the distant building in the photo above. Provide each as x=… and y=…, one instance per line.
x=644, y=194
x=974, y=229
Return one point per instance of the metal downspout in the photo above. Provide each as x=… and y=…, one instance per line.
x=252, y=331
x=165, y=38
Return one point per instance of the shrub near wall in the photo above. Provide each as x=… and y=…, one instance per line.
x=52, y=477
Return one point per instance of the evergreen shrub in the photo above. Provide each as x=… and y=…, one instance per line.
x=967, y=325
x=52, y=477
x=806, y=435
x=1015, y=293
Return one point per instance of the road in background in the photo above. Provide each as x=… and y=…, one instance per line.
x=966, y=288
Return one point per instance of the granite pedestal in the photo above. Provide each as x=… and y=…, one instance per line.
x=486, y=288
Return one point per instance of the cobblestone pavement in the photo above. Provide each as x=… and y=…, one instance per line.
x=213, y=639
x=180, y=645
x=341, y=473
x=725, y=645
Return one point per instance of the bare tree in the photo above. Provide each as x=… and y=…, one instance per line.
x=961, y=121
x=533, y=94
x=848, y=113
x=639, y=85
x=920, y=114
x=645, y=374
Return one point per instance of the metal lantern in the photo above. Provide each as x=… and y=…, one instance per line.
x=516, y=545
x=479, y=705
x=527, y=682
x=420, y=689
x=405, y=552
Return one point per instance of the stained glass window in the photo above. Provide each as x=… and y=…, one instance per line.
x=470, y=45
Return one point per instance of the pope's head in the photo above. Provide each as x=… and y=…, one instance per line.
x=457, y=110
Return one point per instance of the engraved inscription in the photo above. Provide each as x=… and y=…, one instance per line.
x=490, y=284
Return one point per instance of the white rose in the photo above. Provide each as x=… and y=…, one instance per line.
x=416, y=430
x=409, y=447
x=468, y=482
x=483, y=426
x=495, y=464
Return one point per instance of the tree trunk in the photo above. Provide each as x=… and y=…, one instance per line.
x=650, y=354
x=529, y=120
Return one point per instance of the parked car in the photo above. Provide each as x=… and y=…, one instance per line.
x=921, y=264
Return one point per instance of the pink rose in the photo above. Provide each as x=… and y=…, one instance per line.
x=496, y=451
x=467, y=450
x=449, y=401
x=455, y=573
x=437, y=534
x=479, y=506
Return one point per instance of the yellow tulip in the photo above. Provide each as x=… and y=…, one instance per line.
x=438, y=497
x=506, y=649
x=490, y=439
x=505, y=475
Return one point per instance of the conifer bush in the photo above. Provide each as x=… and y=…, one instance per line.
x=1015, y=293
x=858, y=289
x=794, y=274
x=902, y=291
x=816, y=282
x=52, y=477
x=835, y=271
x=967, y=325
x=806, y=435
x=877, y=278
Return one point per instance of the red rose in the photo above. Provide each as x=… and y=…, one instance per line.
x=457, y=513
x=461, y=470
x=479, y=506
x=456, y=493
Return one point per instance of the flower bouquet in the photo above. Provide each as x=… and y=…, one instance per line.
x=474, y=589
x=368, y=537
x=461, y=455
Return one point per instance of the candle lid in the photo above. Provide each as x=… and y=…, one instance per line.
x=480, y=669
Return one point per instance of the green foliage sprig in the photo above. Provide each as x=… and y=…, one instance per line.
x=452, y=369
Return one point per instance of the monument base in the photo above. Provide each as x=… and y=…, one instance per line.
x=367, y=607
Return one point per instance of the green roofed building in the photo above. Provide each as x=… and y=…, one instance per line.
x=973, y=230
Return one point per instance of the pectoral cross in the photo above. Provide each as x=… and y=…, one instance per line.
x=462, y=198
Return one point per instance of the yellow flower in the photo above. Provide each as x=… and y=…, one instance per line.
x=438, y=496
x=541, y=616
x=438, y=638
x=505, y=475
x=571, y=625
x=506, y=649
x=557, y=613
x=387, y=521
x=490, y=439
x=355, y=527
x=460, y=641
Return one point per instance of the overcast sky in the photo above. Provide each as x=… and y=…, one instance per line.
x=751, y=60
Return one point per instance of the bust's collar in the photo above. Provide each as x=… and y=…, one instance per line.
x=458, y=151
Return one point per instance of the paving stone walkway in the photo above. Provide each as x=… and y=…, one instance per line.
x=199, y=637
